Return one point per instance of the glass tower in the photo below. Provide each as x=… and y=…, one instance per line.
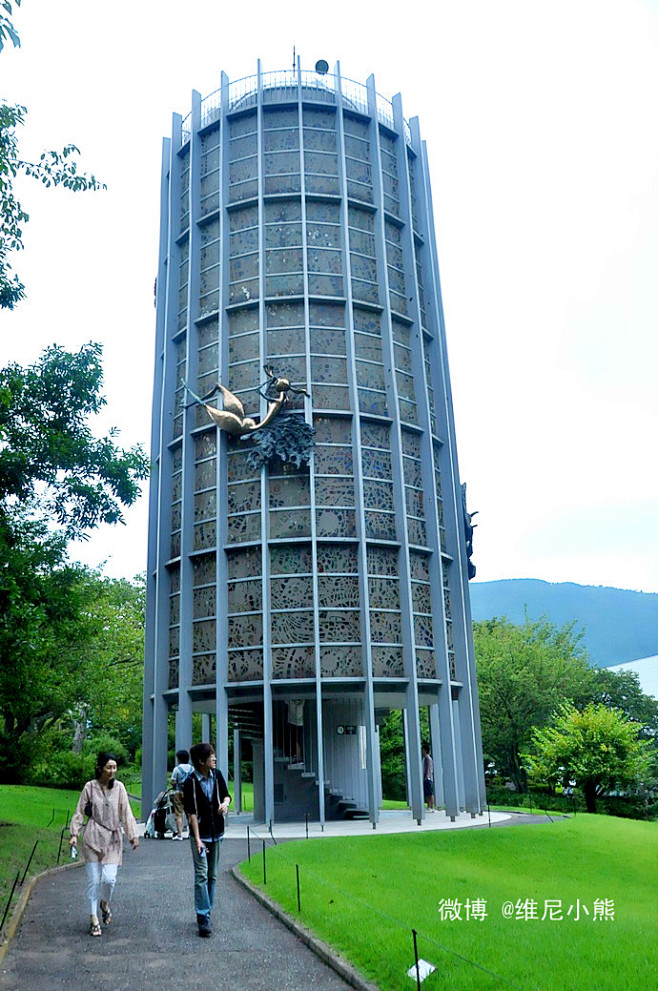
x=295, y=607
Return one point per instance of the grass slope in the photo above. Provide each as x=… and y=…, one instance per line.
x=364, y=896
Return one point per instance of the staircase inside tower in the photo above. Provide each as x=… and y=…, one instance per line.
x=296, y=780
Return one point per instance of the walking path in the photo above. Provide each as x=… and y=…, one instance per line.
x=153, y=939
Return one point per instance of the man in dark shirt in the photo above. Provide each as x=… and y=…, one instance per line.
x=206, y=801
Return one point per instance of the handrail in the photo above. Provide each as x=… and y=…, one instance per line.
x=283, y=85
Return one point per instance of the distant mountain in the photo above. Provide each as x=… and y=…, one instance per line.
x=619, y=625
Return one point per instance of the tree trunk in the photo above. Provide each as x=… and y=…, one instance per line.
x=590, y=796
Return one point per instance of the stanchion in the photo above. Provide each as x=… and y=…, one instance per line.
x=29, y=862
x=11, y=895
x=489, y=815
x=264, y=866
x=248, y=846
x=416, y=959
x=299, y=900
x=306, y=816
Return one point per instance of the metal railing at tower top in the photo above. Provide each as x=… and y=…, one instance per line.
x=282, y=87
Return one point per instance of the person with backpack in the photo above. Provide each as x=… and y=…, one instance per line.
x=206, y=801
x=182, y=771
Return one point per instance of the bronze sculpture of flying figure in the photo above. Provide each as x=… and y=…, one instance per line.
x=232, y=420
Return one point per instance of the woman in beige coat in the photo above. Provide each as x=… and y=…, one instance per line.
x=105, y=801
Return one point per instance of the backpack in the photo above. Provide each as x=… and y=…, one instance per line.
x=184, y=771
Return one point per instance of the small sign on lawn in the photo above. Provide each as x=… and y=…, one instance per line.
x=424, y=970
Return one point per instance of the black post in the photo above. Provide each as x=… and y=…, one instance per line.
x=299, y=900
x=264, y=867
x=11, y=895
x=248, y=846
x=307, y=825
x=489, y=815
x=61, y=840
x=29, y=862
x=416, y=959
x=51, y=819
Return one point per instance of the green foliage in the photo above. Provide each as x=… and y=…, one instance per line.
x=71, y=647
x=524, y=673
x=7, y=30
x=599, y=748
x=54, y=168
x=48, y=451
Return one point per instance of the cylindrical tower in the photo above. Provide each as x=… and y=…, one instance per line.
x=296, y=605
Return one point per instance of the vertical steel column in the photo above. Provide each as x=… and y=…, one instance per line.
x=470, y=731
x=237, y=770
x=154, y=576
x=406, y=599
x=160, y=702
x=268, y=741
x=186, y=665
x=366, y=646
x=319, y=721
x=221, y=564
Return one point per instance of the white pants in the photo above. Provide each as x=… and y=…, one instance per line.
x=101, y=879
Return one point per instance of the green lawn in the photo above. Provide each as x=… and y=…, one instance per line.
x=364, y=896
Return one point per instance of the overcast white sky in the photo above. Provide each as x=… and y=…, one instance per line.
x=540, y=120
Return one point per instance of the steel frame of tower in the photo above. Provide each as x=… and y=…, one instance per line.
x=452, y=695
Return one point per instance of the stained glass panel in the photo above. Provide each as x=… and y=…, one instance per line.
x=245, y=596
x=205, y=536
x=243, y=528
x=335, y=522
x=376, y=464
x=293, y=662
x=383, y=561
x=245, y=630
x=331, y=397
x=387, y=662
x=296, y=559
x=245, y=665
x=425, y=664
x=384, y=593
x=424, y=636
x=204, y=570
x=337, y=559
x=291, y=592
x=341, y=662
x=334, y=491
x=283, y=523
x=244, y=563
x=385, y=627
x=243, y=320
x=338, y=591
x=378, y=495
x=203, y=669
x=204, y=602
x=292, y=627
x=380, y=526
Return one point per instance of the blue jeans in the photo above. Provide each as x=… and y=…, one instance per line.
x=205, y=876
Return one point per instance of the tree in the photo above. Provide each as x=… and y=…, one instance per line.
x=54, y=168
x=621, y=690
x=39, y=636
x=524, y=673
x=49, y=457
x=599, y=748
x=71, y=651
